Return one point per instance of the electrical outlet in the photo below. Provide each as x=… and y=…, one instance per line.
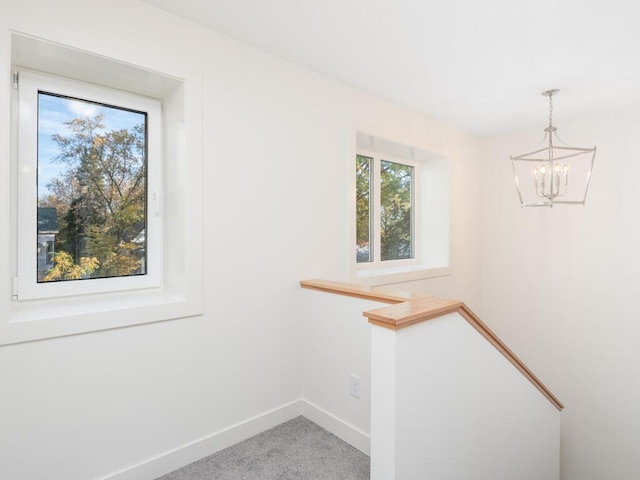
x=354, y=386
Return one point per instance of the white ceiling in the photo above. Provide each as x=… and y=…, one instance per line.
x=478, y=64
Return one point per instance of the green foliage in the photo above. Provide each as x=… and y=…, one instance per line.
x=396, y=198
x=100, y=196
x=122, y=261
x=363, y=206
x=395, y=211
x=64, y=268
x=117, y=258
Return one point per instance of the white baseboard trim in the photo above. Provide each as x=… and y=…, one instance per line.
x=203, y=447
x=341, y=429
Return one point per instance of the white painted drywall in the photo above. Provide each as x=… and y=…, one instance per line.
x=560, y=287
x=461, y=409
x=384, y=387
x=336, y=343
x=278, y=145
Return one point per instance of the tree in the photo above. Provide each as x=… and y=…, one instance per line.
x=395, y=205
x=64, y=268
x=395, y=211
x=363, y=207
x=100, y=196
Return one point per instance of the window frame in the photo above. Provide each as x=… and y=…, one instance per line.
x=30, y=84
x=181, y=295
x=432, y=241
x=375, y=207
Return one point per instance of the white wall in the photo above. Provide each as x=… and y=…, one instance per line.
x=458, y=408
x=278, y=142
x=560, y=285
x=336, y=343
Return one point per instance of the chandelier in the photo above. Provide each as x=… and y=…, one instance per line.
x=556, y=174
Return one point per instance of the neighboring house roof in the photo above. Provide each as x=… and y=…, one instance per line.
x=47, y=220
x=140, y=238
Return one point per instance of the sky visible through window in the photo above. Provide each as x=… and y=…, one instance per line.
x=92, y=169
x=53, y=114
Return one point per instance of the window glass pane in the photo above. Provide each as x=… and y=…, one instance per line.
x=396, y=218
x=91, y=190
x=363, y=209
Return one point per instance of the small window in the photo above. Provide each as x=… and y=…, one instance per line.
x=401, y=213
x=89, y=180
x=385, y=205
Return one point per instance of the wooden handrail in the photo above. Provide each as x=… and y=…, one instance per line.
x=406, y=310
x=357, y=291
x=410, y=312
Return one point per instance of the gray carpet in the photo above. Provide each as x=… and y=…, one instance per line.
x=295, y=450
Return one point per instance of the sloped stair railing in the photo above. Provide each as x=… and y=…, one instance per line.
x=449, y=399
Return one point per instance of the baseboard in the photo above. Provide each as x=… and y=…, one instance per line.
x=203, y=447
x=341, y=429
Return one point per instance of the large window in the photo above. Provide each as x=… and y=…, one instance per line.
x=385, y=206
x=89, y=168
x=95, y=173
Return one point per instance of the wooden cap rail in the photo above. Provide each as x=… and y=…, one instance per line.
x=406, y=310
x=353, y=290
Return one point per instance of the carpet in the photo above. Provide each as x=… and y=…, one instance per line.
x=295, y=450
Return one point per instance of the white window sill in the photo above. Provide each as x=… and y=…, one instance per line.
x=406, y=273
x=37, y=320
